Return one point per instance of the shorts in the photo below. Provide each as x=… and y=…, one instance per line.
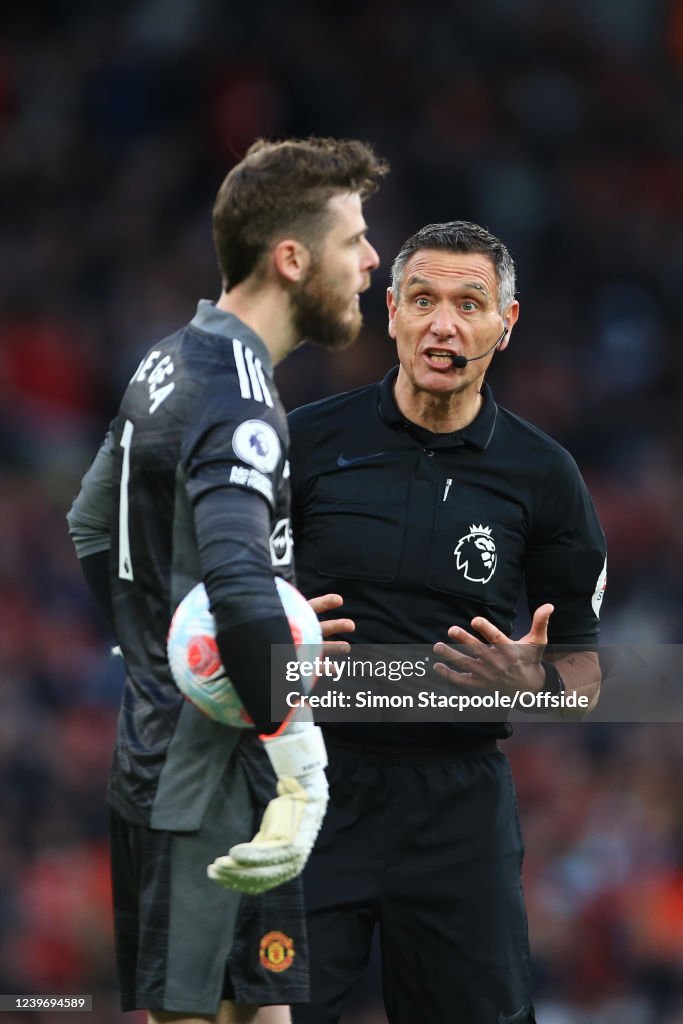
x=430, y=853
x=184, y=943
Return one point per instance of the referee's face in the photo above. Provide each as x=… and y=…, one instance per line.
x=327, y=302
x=447, y=305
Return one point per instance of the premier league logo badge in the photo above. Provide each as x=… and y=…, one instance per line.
x=475, y=554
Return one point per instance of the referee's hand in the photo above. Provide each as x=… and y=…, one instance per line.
x=496, y=662
x=331, y=627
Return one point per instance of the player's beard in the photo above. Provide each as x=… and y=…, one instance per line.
x=321, y=314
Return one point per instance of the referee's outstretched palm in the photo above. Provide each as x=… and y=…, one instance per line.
x=496, y=662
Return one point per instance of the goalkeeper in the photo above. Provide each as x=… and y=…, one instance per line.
x=192, y=484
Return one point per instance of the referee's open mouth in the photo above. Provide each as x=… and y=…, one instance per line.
x=439, y=359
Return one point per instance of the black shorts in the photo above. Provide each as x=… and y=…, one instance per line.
x=184, y=943
x=431, y=853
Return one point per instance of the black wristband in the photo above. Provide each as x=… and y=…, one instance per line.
x=554, y=683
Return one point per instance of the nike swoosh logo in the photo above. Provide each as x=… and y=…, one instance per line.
x=341, y=461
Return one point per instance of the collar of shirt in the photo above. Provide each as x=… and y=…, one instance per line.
x=478, y=433
x=212, y=320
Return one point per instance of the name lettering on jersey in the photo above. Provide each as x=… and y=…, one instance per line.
x=600, y=587
x=475, y=554
x=255, y=442
x=153, y=370
x=252, y=478
x=250, y=373
x=281, y=543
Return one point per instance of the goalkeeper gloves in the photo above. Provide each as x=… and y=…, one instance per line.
x=291, y=821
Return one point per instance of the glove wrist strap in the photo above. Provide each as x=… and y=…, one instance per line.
x=298, y=753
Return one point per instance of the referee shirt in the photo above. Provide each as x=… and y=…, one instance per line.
x=421, y=531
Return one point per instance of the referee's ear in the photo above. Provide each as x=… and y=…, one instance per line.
x=391, y=307
x=510, y=318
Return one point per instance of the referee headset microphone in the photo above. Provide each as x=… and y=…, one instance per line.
x=460, y=362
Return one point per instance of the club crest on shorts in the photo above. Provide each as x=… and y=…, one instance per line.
x=276, y=952
x=475, y=554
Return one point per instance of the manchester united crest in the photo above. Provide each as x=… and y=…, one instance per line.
x=276, y=952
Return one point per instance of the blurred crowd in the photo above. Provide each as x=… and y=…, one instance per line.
x=556, y=125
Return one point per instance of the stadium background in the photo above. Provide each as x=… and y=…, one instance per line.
x=557, y=125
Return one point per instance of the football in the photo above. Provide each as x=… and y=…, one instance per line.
x=196, y=663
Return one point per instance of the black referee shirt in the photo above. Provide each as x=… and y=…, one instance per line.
x=421, y=531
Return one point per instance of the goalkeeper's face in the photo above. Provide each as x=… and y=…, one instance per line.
x=326, y=304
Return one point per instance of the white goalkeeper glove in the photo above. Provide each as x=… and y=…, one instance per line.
x=291, y=821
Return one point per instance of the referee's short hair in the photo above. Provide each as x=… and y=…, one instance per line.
x=281, y=189
x=460, y=236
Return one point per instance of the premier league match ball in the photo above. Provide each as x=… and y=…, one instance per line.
x=196, y=663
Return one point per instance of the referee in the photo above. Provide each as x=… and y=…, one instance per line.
x=427, y=506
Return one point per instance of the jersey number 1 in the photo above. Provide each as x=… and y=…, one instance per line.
x=125, y=563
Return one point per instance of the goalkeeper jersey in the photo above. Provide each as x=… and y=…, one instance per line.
x=191, y=484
